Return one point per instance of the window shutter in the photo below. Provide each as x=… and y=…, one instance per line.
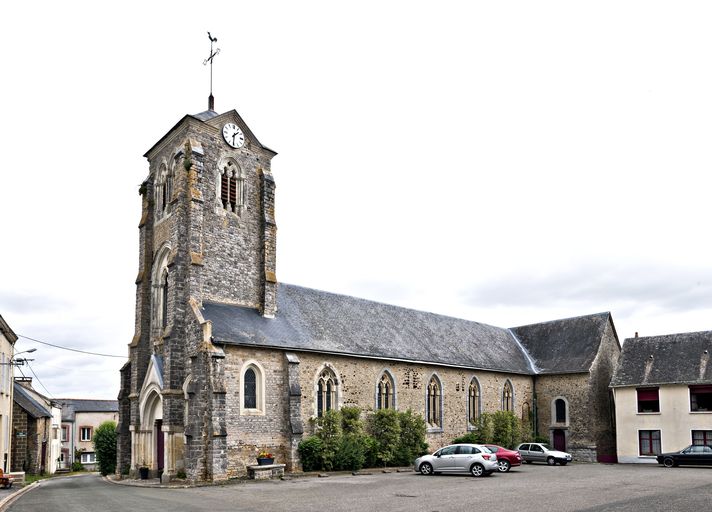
x=648, y=394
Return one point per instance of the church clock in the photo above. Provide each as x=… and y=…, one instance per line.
x=233, y=135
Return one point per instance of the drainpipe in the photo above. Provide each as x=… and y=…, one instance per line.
x=535, y=410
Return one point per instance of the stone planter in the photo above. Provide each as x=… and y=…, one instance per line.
x=264, y=461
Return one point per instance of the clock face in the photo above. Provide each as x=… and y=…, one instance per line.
x=233, y=135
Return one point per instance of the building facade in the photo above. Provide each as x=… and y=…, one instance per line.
x=80, y=418
x=225, y=361
x=663, y=395
x=36, y=444
x=7, y=350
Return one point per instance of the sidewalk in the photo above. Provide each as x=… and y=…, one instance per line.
x=184, y=484
x=8, y=496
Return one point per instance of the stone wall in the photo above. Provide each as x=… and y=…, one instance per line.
x=20, y=456
x=602, y=414
x=357, y=381
x=27, y=448
x=589, y=429
x=579, y=430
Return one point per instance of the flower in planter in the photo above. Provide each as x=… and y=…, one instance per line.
x=264, y=454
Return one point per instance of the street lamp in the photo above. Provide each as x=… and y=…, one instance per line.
x=21, y=361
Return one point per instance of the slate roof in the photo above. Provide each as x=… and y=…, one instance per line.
x=676, y=359
x=207, y=114
x=568, y=345
x=71, y=406
x=24, y=399
x=7, y=331
x=318, y=321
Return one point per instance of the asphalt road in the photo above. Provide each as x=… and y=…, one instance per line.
x=579, y=487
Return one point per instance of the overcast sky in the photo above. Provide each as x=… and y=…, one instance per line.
x=505, y=162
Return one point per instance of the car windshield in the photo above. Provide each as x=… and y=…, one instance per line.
x=487, y=449
x=545, y=446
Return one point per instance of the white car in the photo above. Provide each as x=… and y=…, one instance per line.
x=541, y=452
x=475, y=459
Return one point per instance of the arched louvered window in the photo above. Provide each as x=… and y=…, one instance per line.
x=232, y=187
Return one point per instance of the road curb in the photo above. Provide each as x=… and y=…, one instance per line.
x=9, y=500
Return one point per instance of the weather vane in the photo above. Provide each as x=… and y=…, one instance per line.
x=211, y=100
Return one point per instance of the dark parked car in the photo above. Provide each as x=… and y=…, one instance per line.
x=505, y=458
x=693, y=454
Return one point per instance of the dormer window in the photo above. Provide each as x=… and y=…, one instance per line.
x=231, y=187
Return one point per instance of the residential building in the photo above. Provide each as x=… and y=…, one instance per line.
x=80, y=418
x=663, y=395
x=36, y=445
x=225, y=360
x=7, y=349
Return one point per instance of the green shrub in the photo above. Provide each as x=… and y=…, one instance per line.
x=385, y=429
x=351, y=420
x=412, y=438
x=502, y=428
x=370, y=451
x=310, y=452
x=104, y=441
x=470, y=437
x=330, y=435
x=507, y=430
x=77, y=466
x=342, y=443
x=351, y=453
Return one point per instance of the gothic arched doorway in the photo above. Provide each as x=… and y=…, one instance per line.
x=151, y=427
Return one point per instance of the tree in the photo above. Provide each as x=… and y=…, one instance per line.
x=105, y=447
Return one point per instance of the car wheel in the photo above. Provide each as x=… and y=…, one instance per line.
x=426, y=468
x=563, y=462
x=668, y=462
x=477, y=469
x=551, y=461
x=503, y=465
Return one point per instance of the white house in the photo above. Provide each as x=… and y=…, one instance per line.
x=662, y=389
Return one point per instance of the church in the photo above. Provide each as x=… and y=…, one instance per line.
x=226, y=361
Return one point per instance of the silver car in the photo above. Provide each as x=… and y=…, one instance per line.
x=475, y=459
x=541, y=452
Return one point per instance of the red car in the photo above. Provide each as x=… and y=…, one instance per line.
x=505, y=458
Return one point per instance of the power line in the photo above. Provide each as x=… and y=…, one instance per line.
x=71, y=349
x=38, y=379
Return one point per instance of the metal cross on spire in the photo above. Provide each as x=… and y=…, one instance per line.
x=211, y=100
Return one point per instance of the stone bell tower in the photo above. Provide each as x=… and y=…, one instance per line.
x=207, y=233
